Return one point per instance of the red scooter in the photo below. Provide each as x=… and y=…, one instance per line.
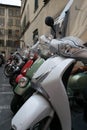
x=26, y=67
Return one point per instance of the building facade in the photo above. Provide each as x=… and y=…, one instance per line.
x=34, y=12
x=9, y=28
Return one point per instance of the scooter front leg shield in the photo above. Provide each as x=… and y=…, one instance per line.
x=35, y=109
x=21, y=90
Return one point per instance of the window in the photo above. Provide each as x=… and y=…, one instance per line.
x=27, y=14
x=10, y=12
x=17, y=44
x=17, y=22
x=10, y=22
x=9, y=32
x=46, y=1
x=2, y=32
x=2, y=11
x=2, y=22
x=17, y=33
x=35, y=35
x=1, y=43
x=14, y=12
x=35, y=5
x=17, y=12
x=9, y=43
x=24, y=23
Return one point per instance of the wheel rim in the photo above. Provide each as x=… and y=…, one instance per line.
x=8, y=71
x=53, y=124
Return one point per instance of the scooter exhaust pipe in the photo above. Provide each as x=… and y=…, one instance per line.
x=34, y=110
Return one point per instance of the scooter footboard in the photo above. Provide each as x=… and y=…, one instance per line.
x=34, y=109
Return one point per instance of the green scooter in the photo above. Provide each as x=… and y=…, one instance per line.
x=23, y=89
x=77, y=90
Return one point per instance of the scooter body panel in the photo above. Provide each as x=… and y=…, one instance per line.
x=21, y=90
x=24, y=70
x=34, y=67
x=35, y=109
x=26, y=67
x=47, y=66
x=54, y=87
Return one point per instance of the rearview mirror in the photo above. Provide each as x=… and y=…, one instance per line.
x=49, y=21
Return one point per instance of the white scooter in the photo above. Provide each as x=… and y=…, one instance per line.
x=48, y=108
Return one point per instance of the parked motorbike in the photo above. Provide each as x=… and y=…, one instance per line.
x=15, y=60
x=2, y=59
x=27, y=65
x=49, y=106
x=77, y=90
x=13, y=67
x=22, y=71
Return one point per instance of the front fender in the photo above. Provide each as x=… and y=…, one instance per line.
x=34, y=110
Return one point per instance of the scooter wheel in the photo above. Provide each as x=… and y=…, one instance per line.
x=1, y=61
x=8, y=71
x=12, y=80
x=15, y=103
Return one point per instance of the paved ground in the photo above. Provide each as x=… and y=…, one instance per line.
x=77, y=121
x=5, y=99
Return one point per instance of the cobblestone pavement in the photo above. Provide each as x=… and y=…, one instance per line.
x=77, y=121
x=5, y=99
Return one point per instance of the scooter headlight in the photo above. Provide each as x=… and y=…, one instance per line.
x=23, y=82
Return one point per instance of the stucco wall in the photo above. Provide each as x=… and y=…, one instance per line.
x=53, y=8
x=78, y=19
x=77, y=22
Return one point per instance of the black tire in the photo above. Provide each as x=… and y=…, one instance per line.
x=12, y=80
x=16, y=103
x=54, y=124
x=19, y=100
x=1, y=61
x=8, y=71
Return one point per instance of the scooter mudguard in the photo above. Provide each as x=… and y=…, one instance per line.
x=26, y=66
x=24, y=70
x=18, y=90
x=48, y=65
x=34, y=110
x=78, y=81
x=34, y=67
x=18, y=77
